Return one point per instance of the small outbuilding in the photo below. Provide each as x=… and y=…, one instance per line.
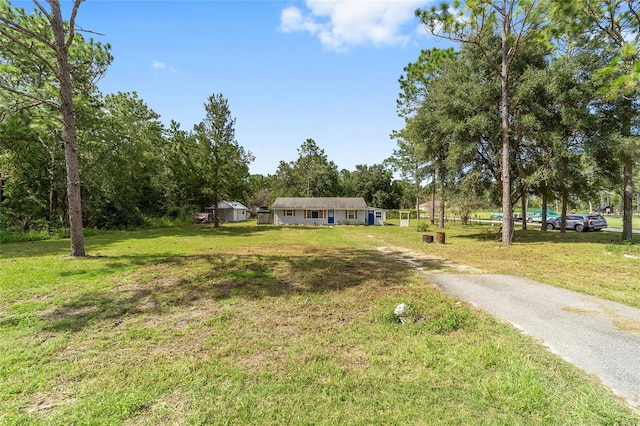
x=265, y=216
x=231, y=211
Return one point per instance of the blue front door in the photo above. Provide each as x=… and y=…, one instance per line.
x=372, y=217
x=330, y=215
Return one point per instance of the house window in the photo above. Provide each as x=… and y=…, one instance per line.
x=315, y=214
x=289, y=213
x=378, y=215
x=351, y=215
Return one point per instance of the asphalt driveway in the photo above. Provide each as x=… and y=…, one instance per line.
x=599, y=336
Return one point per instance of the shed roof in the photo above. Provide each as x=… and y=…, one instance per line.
x=229, y=205
x=348, y=203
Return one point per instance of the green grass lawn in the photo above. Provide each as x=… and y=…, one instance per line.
x=613, y=220
x=595, y=263
x=289, y=325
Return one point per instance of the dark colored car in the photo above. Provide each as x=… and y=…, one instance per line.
x=580, y=222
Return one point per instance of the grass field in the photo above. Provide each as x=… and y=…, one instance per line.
x=293, y=325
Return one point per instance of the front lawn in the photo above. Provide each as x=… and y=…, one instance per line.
x=282, y=325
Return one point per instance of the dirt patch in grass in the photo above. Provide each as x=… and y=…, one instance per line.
x=47, y=403
x=256, y=311
x=426, y=262
x=69, y=312
x=300, y=330
x=167, y=411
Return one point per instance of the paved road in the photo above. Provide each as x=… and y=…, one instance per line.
x=599, y=336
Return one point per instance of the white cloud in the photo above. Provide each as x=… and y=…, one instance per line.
x=161, y=66
x=340, y=24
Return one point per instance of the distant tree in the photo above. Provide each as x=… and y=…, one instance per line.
x=409, y=157
x=32, y=174
x=455, y=129
x=376, y=185
x=285, y=184
x=516, y=21
x=318, y=175
x=554, y=122
x=415, y=83
x=5, y=171
x=311, y=175
x=260, y=190
x=348, y=184
x=409, y=161
x=185, y=189
x=610, y=29
x=123, y=164
x=39, y=53
x=226, y=163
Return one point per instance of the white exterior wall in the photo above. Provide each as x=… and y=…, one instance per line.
x=383, y=217
x=241, y=215
x=339, y=218
x=280, y=219
x=361, y=217
x=234, y=215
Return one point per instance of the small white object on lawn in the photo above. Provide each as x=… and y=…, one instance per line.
x=401, y=310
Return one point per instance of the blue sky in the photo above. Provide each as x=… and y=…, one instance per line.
x=291, y=70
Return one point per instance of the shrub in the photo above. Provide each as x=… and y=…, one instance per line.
x=422, y=226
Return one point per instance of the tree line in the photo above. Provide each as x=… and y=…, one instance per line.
x=538, y=98
x=73, y=157
x=312, y=174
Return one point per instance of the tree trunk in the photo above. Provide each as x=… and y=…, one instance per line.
x=53, y=204
x=507, y=208
x=441, y=218
x=69, y=133
x=627, y=202
x=2, y=181
x=627, y=164
x=216, y=216
x=523, y=201
x=53, y=193
x=433, y=207
x=563, y=221
x=545, y=204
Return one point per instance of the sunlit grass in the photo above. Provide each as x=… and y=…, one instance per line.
x=277, y=325
x=596, y=263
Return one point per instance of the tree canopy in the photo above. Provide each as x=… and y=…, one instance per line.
x=536, y=100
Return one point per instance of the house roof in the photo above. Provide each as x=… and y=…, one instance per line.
x=230, y=205
x=308, y=203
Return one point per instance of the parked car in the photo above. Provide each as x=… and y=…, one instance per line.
x=537, y=217
x=580, y=222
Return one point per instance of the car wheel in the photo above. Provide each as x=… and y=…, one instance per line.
x=550, y=227
x=579, y=228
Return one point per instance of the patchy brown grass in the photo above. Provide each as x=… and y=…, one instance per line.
x=268, y=326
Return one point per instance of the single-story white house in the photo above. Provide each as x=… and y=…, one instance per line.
x=326, y=211
x=231, y=211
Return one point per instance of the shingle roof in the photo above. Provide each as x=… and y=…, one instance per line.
x=308, y=203
x=232, y=204
x=236, y=205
